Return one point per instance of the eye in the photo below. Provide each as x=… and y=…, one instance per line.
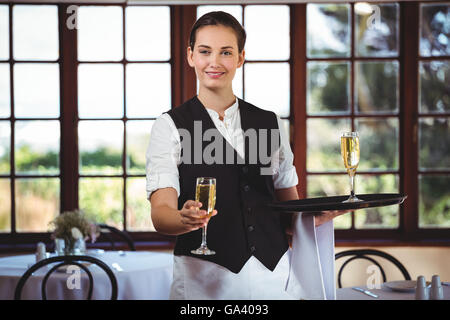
x=204, y=51
x=227, y=53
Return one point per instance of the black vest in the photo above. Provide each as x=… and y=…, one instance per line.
x=244, y=225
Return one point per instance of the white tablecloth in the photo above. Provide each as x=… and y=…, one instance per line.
x=145, y=275
x=383, y=294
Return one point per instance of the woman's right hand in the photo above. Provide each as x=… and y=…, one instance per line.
x=192, y=217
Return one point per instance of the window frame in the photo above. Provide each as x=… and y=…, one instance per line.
x=184, y=87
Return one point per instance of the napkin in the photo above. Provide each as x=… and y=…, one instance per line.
x=311, y=273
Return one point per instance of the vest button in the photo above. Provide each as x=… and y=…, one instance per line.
x=250, y=228
x=252, y=248
x=246, y=188
x=249, y=210
x=245, y=170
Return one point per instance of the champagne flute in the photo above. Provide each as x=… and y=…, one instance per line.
x=205, y=193
x=350, y=155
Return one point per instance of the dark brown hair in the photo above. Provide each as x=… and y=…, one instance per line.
x=215, y=18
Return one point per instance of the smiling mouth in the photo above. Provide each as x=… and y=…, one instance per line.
x=215, y=74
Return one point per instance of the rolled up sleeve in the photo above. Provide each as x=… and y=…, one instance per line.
x=286, y=175
x=162, y=156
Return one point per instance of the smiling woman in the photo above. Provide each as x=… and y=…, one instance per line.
x=215, y=64
x=321, y=67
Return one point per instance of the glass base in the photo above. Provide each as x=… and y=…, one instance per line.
x=352, y=199
x=203, y=251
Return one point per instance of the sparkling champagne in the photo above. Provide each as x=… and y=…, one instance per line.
x=350, y=153
x=206, y=194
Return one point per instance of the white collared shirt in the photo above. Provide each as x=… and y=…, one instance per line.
x=164, y=151
x=191, y=276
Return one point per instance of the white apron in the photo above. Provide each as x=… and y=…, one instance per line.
x=304, y=272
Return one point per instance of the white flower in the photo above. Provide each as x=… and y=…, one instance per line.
x=76, y=233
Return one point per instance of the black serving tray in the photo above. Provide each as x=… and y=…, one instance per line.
x=314, y=205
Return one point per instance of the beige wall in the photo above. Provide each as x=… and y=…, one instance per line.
x=425, y=261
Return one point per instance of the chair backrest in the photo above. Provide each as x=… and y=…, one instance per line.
x=364, y=254
x=67, y=260
x=122, y=235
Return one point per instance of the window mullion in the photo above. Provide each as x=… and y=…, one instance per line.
x=12, y=149
x=69, y=112
x=409, y=48
x=298, y=92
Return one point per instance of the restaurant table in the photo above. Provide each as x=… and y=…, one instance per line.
x=383, y=294
x=144, y=276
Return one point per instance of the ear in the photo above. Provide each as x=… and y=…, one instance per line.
x=241, y=58
x=189, y=54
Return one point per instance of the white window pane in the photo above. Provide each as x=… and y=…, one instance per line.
x=138, y=136
x=328, y=30
x=5, y=209
x=324, y=149
x=235, y=11
x=100, y=36
x=37, y=146
x=267, y=30
x=148, y=89
x=5, y=99
x=238, y=84
x=376, y=29
x=100, y=90
x=148, y=33
x=267, y=86
x=36, y=90
x=100, y=146
x=286, y=127
x=434, y=29
x=35, y=32
x=4, y=32
x=5, y=142
x=138, y=208
x=105, y=191
x=37, y=203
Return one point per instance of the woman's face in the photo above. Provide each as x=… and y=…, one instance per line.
x=215, y=57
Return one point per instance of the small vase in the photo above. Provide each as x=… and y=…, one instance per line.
x=75, y=247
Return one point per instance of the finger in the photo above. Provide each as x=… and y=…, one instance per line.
x=194, y=223
x=193, y=214
x=191, y=203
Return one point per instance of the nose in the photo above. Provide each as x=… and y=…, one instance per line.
x=214, y=60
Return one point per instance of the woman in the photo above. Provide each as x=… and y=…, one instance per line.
x=252, y=256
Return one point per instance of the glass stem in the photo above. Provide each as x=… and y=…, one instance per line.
x=352, y=185
x=203, y=245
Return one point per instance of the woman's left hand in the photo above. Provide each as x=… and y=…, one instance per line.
x=326, y=216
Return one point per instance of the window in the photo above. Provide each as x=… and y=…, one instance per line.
x=263, y=24
x=80, y=87
x=29, y=117
x=434, y=116
x=353, y=85
x=124, y=83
